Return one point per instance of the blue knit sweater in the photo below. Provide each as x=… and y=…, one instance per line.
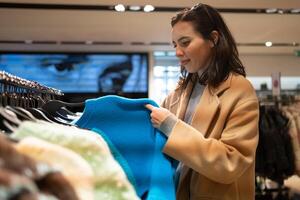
x=125, y=125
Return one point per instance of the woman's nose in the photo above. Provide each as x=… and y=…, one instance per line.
x=179, y=52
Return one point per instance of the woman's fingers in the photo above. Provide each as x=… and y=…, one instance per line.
x=149, y=107
x=155, y=123
x=157, y=115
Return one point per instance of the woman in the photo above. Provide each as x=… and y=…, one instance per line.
x=211, y=118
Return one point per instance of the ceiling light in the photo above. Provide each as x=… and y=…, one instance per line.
x=28, y=41
x=271, y=10
x=120, y=8
x=134, y=8
x=88, y=42
x=295, y=10
x=268, y=44
x=148, y=8
x=280, y=11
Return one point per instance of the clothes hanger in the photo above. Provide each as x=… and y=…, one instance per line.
x=55, y=106
x=53, y=118
x=64, y=111
x=39, y=114
x=4, y=99
x=19, y=114
x=8, y=121
x=39, y=102
x=26, y=112
x=65, y=114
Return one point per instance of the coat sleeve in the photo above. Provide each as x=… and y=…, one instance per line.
x=225, y=159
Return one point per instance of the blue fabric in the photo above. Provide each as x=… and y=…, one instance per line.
x=126, y=126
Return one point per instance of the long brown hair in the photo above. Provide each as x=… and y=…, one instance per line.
x=225, y=57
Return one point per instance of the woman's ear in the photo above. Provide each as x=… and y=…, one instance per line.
x=214, y=35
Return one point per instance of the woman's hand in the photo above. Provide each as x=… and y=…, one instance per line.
x=158, y=115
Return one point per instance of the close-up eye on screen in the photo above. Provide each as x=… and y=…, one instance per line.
x=81, y=73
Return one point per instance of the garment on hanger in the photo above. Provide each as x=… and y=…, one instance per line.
x=274, y=155
x=110, y=181
x=42, y=176
x=293, y=131
x=74, y=168
x=17, y=187
x=125, y=125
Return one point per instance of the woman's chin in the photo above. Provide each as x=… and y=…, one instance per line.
x=190, y=71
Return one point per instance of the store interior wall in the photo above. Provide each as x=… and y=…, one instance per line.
x=265, y=65
x=27, y=30
x=150, y=32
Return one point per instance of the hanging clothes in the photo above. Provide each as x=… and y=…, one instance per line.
x=110, y=181
x=126, y=127
x=16, y=91
x=274, y=156
x=39, y=177
x=74, y=168
x=294, y=133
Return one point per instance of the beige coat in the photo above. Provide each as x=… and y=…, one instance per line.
x=218, y=149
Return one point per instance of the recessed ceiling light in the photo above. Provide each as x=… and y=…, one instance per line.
x=134, y=8
x=120, y=8
x=28, y=41
x=295, y=10
x=88, y=42
x=148, y=8
x=271, y=10
x=268, y=44
x=280, y=11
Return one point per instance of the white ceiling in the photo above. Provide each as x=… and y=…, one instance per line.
x=128, y=27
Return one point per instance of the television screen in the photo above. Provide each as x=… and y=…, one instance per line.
x=81, y=72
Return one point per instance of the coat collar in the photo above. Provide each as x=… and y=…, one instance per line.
x=223, y=86
x=207, y=106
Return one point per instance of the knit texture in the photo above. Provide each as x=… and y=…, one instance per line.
x=127, y=126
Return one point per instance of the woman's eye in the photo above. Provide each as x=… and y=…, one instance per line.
x=185, y=43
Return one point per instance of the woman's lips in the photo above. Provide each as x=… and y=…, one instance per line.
x=184, y=62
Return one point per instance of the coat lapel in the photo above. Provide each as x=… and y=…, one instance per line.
x=205, y=111
x=208, y=106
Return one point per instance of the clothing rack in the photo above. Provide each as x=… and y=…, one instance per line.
x=33, y=86
x=279, y=101
x=275, y=156
x=16, y=91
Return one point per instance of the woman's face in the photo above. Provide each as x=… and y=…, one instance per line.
x=193, y=51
